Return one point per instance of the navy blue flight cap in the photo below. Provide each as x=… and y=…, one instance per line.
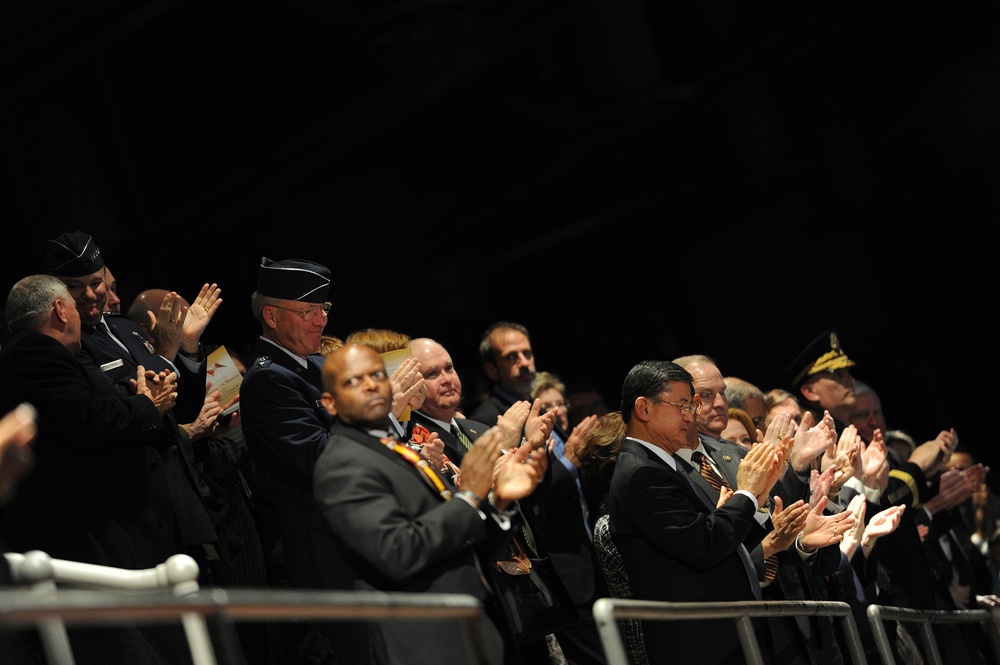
x=73, y=254
x=293, y=279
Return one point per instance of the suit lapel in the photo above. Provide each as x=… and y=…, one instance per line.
x=724, y=460
x=369, y=441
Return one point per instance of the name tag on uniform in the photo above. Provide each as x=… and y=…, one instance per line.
x=114, y=364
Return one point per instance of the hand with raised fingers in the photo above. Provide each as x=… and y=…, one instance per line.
x=881, y=524
x=780, y=427
x=931, y=456
x=820, y=484
x=538, y=426
x=478, y=464
x=512, y=422
x=788, y=524
x=407, y=387
x=953, y=489
x=207, y=421
x=166, y=326
x=811, y=441
x=875, y=463
x=976, y=476
x=576, y=438
x=852, y=537
x=846, y=459
x=763, y=465
x=519, y=475
x=822, y=529
x=433, y=450
x=198, y=316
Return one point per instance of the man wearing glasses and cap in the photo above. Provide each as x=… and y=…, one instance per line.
x=286, y=427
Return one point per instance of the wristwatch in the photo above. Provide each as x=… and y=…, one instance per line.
x=503, y=513
x=191, y=356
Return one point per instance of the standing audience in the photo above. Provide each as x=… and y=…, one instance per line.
x=702, y=488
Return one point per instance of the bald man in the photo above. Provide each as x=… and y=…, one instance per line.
x=402, y=526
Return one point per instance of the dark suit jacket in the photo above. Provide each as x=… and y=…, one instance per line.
x=494, y=406
x=727, y=457
x=103, y=356
x=453, y=448
x=400, y=535
x=556, y=505
x=791, y=639
x=675, y=548
x=97, y=492
x=191, y=384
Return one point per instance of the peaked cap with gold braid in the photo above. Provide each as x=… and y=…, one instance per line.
x=822, y=355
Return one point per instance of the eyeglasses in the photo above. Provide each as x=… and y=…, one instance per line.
x=308, y=314
x=552, y=405
x=689, y=409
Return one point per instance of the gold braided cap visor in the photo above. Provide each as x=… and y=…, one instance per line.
x=828, y=362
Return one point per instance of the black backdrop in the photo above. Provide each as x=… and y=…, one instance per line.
x=630, y=180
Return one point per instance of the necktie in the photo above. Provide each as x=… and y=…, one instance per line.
x=718, y=482
x=460, y=435
x=741, y=550
x=708, y=473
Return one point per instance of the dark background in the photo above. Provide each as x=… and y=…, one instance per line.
x=629, y=179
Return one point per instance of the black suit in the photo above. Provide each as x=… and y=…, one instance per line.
x=790, y=639
x=191, y=383
x=103, y=356
x=532, y=651
x=675, y=547
x=491, y=408
x=453, y=448
x=559, y=518
x=98, y=492
x=399, y=534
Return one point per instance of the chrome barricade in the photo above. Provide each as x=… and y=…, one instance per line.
x=925, y=620
x=57, y=593
x=608, y=611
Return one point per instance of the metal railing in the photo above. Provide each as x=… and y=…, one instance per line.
x=608, y=611
x=54, y=593
x=50, y=594
x=925, y=620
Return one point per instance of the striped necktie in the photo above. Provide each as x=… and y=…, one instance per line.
x=718, y=482
x=682, y=468
x=708, y=473
x=460, y=435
